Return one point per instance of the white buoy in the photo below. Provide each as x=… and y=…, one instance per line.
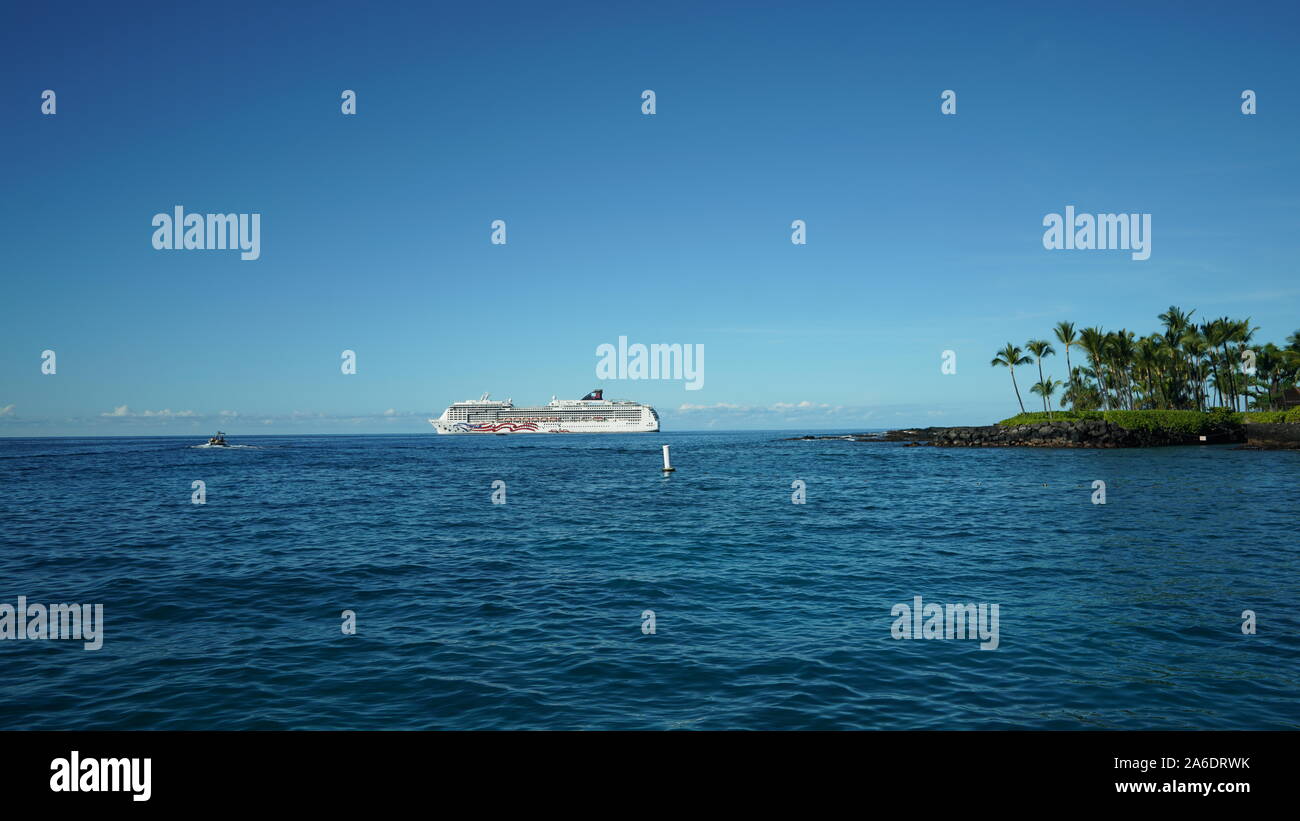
x=668, y=468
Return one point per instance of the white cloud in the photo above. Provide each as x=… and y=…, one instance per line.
x=778, y=407
x=296, y=417
x=124, y=412
x=686, y=407
x=806, y=414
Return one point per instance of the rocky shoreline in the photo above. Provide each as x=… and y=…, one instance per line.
x=1085, y=434
x=1270, y=436
x=903, y=435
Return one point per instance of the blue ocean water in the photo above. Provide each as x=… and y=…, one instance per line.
x=528, y=614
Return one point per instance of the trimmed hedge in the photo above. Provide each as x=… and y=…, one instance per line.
x=1181, y=421
x=1038, y=417
x=1264, y=417
x=1273, y=417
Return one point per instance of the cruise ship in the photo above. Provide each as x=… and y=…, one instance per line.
x=590, y=414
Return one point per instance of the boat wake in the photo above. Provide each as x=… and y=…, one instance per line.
x=228, y=447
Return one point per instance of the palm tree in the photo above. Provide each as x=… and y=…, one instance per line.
x=1080, y=395
x=1242, y=333
x=1045, y=388
x=1184, y=365
x=1289, y=376
x=1041, y=348
x=1147, y=358
x=1268, y=369
x=1193, y=342
x=1066, y=336
x=1093, y=342
x=1216, y=336
x=1120, y=351
x=1177, y=322
x=1009, y=357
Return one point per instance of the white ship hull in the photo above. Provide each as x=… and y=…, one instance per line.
x=592, y=414
x=513, y=427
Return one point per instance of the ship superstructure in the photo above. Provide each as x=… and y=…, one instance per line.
x=590, y=414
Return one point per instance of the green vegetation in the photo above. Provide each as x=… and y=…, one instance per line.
x=1182, y=367
x=1009, y=357
x=1182, y=421
x=1273, y=417
x=1039, y=418
x=1041, y=349
x=1187, y=422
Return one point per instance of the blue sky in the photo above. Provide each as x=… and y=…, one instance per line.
x=924, y=230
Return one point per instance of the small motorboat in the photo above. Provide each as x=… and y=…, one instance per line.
x=218, y=441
